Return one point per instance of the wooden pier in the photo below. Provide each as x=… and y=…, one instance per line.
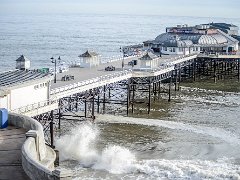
x=95, y=90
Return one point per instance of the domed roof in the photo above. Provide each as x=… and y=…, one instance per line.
x=165, y=37
x=178, y=43
x=185, y=40
x=172, y=40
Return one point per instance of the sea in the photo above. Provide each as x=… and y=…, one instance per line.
x=195, y=136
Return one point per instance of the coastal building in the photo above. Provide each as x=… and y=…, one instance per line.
x=230, y=29
x=183, y=40
x=22, y=87
x=89, y=59
x=148, y=61
x=22, y=63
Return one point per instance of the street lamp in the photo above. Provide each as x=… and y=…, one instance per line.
x=121, y=50
x=55, y=67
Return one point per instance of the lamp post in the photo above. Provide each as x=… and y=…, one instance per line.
x=55, y=67
x=121, y=50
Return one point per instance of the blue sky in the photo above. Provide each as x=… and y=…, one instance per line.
x=200, y=8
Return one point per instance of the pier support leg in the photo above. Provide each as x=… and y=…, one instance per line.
x=179, y=78
x=128, y=96
x=194, y=70
x=98, y=104
x=109, y=93
x=154, y=91
x=215, y=72
x=59, y=118
x=51, y=129
x=176, y=79
x=104, y=99
x=149, y=98
x=159, y=89
x=169, y=89
x=133, y=94
x=93, y=108
x=238, y=70
x=85, y=108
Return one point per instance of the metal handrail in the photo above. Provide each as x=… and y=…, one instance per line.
x=90, y=81
x=34, y=106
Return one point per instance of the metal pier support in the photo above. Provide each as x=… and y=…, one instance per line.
x=169, y=89
x=104, y=98
x=238, y=70
x=149, y=98
x=51, y=130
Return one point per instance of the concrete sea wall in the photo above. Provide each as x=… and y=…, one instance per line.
x=37, y=158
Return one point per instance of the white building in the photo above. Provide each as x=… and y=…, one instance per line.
x=89, y=59
x=22, y=63
x=148, y=61
x=19, y=88
x=183, y=40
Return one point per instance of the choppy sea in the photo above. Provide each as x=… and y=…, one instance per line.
x=41, y=36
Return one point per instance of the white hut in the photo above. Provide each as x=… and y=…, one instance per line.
x=148, y=61
x=22, y=63
x=89, y=59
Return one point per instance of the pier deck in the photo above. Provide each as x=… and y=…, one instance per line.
x=82, y=74
x=11, y=140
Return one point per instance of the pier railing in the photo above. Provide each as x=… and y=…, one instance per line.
x=90, y=81
x=35, y=106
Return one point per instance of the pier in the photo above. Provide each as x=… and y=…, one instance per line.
x=95, y=90
x=121, y=85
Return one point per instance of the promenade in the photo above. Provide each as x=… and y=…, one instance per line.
x=11, y=141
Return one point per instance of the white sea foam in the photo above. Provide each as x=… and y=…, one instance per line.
x=187, y=169
x=79, y=145
x=222, y=134
x=116, y=160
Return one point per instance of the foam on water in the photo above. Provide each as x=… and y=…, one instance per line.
x=222, y=134
x=187, y=169
x=80, y=143
x=115, y=159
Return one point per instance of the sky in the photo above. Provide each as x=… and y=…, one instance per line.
x=199, y=8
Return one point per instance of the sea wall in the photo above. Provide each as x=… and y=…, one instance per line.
x=37, y=158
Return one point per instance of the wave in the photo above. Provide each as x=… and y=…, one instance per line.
x=222, y=134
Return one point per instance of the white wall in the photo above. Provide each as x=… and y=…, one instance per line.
x=28, y=95
x=89, y=62
x=4, y=102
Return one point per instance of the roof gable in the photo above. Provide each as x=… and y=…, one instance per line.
x=22, y=58
x=148, y=56
x=88, y=54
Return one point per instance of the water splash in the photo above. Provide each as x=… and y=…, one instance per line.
x=115, y=159
x=80, y=143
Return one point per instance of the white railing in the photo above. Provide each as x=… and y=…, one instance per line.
x=175, y=60
x=90, y=81
x=35, y=106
